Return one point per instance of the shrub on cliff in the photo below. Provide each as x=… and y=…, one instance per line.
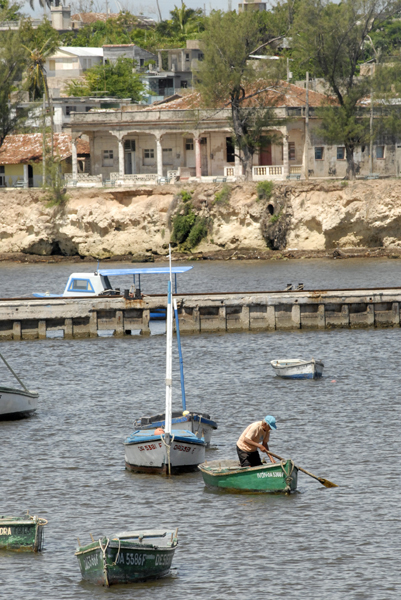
x=188, y=227
x=264, y=190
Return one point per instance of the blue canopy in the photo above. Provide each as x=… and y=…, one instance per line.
x=144, y=271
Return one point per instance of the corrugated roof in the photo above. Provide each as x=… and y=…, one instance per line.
x=26, y=148
x=286, y=95
x=82, y=51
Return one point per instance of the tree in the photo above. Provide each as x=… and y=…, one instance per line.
x=331, y=38
x=9, y=11
x=11, y=64
x=226, y=77
x=114, y=79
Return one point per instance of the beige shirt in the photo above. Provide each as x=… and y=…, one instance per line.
x=254, y=432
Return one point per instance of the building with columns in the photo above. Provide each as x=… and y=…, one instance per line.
x=179, y=139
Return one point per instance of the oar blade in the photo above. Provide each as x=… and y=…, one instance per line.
x=327, y=483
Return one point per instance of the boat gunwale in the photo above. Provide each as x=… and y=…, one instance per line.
x=29, y=393
x=234, y=470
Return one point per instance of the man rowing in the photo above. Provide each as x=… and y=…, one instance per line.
x=254, y=438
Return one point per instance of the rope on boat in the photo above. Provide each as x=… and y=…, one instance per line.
x=118, y=553
x=168, y=446
x=288, y=476
x=104, y=560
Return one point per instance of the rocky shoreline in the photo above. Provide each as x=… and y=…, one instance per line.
x=294, y=220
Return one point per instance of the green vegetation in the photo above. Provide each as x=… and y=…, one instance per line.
x=275, y=218
x=265, y=190
x=115, y=79
x=226, y=76
x=188, y=227
x=222, y=198
x=53, y=187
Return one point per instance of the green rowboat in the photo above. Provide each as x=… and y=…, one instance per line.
x=268, y=478
x=128, y=557
x=23, y=534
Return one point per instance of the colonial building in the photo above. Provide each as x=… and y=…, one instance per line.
x=21, y=158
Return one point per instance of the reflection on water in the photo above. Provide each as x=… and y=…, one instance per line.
x=67, y=463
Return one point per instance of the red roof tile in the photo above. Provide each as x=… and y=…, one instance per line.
x=26, y=148
x=289, y=95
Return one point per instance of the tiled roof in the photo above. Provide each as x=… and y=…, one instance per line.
x=26, y=148
x=91, y=17
x=284, y=95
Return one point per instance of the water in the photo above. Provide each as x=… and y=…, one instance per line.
x=67, y=463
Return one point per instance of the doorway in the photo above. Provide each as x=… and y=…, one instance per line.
x=30, y=176
x=265, y=155
x=204, y=161
x=129, y=157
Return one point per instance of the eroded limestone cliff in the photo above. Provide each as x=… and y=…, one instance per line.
x=112, y=222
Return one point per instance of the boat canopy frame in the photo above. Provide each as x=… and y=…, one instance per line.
x=145, y=271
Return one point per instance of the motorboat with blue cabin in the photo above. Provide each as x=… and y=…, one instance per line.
x=81, y=285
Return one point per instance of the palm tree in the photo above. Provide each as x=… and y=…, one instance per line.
x=36, y=76
x=44, y=3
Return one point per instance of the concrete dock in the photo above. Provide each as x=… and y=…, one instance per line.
x=33, y=318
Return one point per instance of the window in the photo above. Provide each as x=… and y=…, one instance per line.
x=2, y=177
x=379, y=151
x=291, y=150
x=187, y=56
x=200, y=56
x=167, y=156
x=129, y=145
x=148, y=156
x=340, y=153
x=70, y=109
x=52, y=65
x=141, y=62
x=184, y=84
x=80, y=285
x=230, y=150
x=189, y=144
x=318, y=152
x=108, y=158
x=87, y=108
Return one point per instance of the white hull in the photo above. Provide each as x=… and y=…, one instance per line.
x=150, y=455
x=17, y=403
x=298, y=369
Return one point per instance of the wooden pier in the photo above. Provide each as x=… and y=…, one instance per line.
x=34, y=318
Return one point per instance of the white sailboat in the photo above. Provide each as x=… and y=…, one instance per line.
x=165, y=450
x=16, y=403
x=199, y=423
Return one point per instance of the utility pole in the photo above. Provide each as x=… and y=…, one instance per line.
x=371, y=127
x=306, y=142
x=44, y=142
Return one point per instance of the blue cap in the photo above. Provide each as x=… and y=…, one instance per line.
x=270, y=421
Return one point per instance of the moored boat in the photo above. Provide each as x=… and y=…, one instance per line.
x=24, y=534
x=291, y=368
x=147, y=451
x=16, y=403
x=268, y=478
x=165, y=450
x=128, y=557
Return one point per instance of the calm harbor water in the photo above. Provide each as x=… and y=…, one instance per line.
x=67, y=463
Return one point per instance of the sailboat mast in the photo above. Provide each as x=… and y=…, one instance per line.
x=169, y=357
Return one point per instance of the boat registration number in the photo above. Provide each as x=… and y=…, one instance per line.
x=262, y=475
x=91, y=561
x=182, y=448
x=163, y=559
x=149, y=447
x=5, y=530
x=131, y=558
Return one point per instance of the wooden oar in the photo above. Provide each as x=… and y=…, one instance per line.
x=322, y=480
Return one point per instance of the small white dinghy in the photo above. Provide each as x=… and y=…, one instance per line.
x=295, y=368
x=15, y=403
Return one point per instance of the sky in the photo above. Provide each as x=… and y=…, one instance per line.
x=147, y=7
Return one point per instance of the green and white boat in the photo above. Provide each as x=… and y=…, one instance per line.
x=267, y=478
x=128, y=557
x=23, y=534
